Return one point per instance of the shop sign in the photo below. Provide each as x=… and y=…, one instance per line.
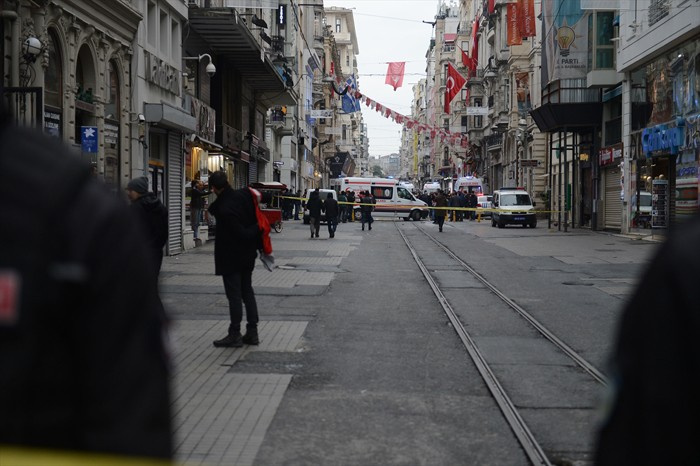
x=161, y=73
x=661, y=138
x=607, y=155
x=88, y=139
x=52, y=122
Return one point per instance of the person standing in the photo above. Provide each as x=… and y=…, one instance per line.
x=351, y=202
x=235, y=249
x=83, y=364
x=197, y=196
x=366, y=207
x=440, y=208
x=315, y=206
x=473, y=201
x=342, y=207
x=461, y=203
x=297, y=205
x=331, y=208
x=153, y=217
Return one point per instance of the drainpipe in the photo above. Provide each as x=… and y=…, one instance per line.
x=15, y=49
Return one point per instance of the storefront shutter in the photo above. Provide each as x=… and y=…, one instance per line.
x=174, y=193
x=613, y=203
x=252, y=171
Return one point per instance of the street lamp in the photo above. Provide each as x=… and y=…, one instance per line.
x=330, y=80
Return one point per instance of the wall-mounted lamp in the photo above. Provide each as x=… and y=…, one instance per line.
x=330, y=80
x=31, y=48
x=210, y=69
x=259, y=22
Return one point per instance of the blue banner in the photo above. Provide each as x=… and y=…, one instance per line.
x=88, y=139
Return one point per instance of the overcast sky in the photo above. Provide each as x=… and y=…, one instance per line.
x=389, y=31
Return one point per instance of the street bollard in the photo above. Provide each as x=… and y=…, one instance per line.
x=478, y=216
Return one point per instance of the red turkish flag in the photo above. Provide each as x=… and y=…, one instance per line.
x=453, y=85
x=394, y=74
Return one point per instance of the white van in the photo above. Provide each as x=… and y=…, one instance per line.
x=513, y=206
x=391, y=198
x=431, y=187
x=469, y=183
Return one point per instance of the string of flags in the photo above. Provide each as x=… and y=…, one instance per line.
x=446, y=136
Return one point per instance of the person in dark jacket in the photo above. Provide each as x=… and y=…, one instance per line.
x=83, y=366
x=315, y=206
x=153, y=217
x=472, y=202
x=342, y=207
x=297, y=205
x=351, y=200
x=440, y=204
x=197, y=196
x=367, y=206
x=236, y=244
x=331, y=207
x=654, y=408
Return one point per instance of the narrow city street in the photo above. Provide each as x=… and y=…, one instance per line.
x=360, y=362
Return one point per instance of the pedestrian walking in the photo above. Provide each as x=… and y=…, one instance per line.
x=653, y=406
x=152, y=215
x=367, y=206
x=331, y=207
x=342, y=207
x=83, y=366
x=440, y=211
x=461, y=203
x=197, y=196
x=235, y=249
x=315, y=206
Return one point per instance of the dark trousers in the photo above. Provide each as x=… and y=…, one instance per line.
x=315, y=225
x=239, y=291
x=332, y=225
x=440, y=219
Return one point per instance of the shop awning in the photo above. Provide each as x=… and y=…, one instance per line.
x=168, y=116
x=569, y=116
x=222, y=33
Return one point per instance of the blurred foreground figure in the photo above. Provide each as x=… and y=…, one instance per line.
x=82, y=361
x=654, y=417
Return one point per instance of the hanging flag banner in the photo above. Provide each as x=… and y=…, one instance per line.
x=492, y=6
x=513, y=21
x=454, y=84
x=475, y=111
x=565, y=44
x=526, y=12
x=350, y=104
x=394, y=74
x=474, y=55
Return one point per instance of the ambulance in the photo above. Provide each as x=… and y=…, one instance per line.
x=392, y=199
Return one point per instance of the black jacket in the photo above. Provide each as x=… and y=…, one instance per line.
x=153, y=217
x=197, y=198
x=237, y=234
x=653, y=417
x=82, y=364
x=315, y=205
x=331, y=207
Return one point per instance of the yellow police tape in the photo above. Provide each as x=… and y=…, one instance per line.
x=15, y=456
x=475, y=209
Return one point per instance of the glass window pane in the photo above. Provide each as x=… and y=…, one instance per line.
x=604, y=28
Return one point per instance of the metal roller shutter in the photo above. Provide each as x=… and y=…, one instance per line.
x=613, y=203
x=252, y=171
x=174, y=193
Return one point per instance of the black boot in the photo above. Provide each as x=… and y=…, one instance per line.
x=251, y=336
x=232, y=340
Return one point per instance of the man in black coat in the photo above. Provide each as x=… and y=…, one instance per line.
x=654, y=411
x=153, y=217
x=237, y=241
x=82, y=359
x=332, y=211
x=315, y=206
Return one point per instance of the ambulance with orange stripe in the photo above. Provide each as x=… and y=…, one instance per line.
x=392, y=199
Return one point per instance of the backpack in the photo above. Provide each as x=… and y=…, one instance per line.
x=263, y=223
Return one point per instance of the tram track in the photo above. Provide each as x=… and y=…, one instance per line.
x=526, y=438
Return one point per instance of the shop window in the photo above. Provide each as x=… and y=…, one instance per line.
x=601, y=48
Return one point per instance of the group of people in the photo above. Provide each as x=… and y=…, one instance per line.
x=457, y=199
x=290, y=202
x=338, y=210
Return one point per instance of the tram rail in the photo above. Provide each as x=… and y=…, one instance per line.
x=527, y=440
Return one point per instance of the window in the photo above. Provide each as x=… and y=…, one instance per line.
x=54, y=74
x=464, y=123
x=446, y=123
x=381, y=192
x=601, y=49
x=404, y=194
x=151, y=31
x=658, y=10
x=479, y=119
x=175, y=40
x=347, y=59
x=337, y=25
x=164, y=33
